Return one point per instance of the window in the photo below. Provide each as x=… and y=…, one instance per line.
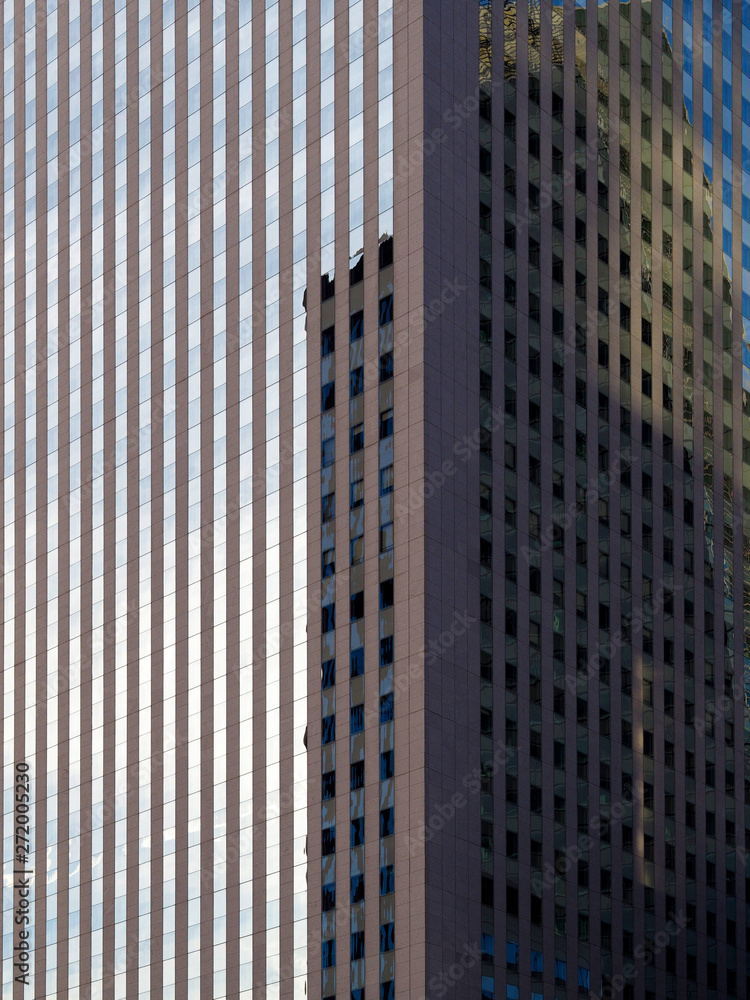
x=385, y=314
x=386, y=765
x=329, y=897
x=327, y=341
x=329, y=729
x=328, y=841
x=329, y=563
x=328, y=451
x=356, y=718
x=386, y=594
x=356, y=493
x=328, y=507
x=357, y=775
x=329, y=618
x=357, y=662
x=356, y=439
x=328, y=673
x=386, y=537
x=386, y=937
x=386, y=880
x=356, y=326
x=329, y=785
x=386, y=822
x=356, y=382
x=358, y=938
x=386, y=708
x=386, y=424
x=328, y=396
x=357, y=832
x=386, y=366
x=357, y=606
x=386, y=480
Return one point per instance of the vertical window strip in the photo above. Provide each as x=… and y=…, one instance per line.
x=272, y=520
x=385, y=116
x=220, y=501
x=299, y=496
x=169, y=501
x=246, y=496
x=195, y=469
x=38, y=837
x=328, y=644
x=115, y=965
x=98, y=467
x=144, y=503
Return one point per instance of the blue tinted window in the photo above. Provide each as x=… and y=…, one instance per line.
x=356, y=718
x=386, y=880
x=386, y=765
x=386, y=708
x=329, y=729
x=386, y=651
x=386, y=937
x=328, y=673
x=357, y=832
x=386, y=822
x=328, y=954
x=357, y=662
x=328, y=840
x=358, y=945
x=358, y=889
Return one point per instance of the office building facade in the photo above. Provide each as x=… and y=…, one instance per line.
x=375, y=518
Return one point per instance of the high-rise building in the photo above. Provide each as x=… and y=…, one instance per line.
x=376, y=499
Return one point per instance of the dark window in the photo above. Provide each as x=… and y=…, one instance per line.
x=386, y=708
x=386, y=650
x=386, y=424
x=357, y=775
x=357, y=662
x=386, y=937
x=329, y=729
x=356, y=325
x=329, y=897
x=358, y=941
x=356, y=382
x=386, y=366
x=357, y=888
x=385, y=314
x=327, y=341
x=386, y=765
x=386, y=594
x=386, y=880
x=328, y=841
x=356, y=718
x=329, y=618
x=386, y=822
x=357, y=606
x=328, y=673
x=358, y=831
x=328, y=396
x=356, y=438
x=329, y=784
x=328, y=953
